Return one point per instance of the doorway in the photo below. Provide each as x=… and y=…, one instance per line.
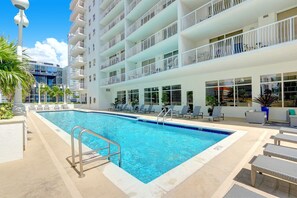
x=190, y=100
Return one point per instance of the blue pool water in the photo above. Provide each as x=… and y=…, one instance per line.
x=148, y=150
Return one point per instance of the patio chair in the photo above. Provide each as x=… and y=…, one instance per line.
x=281, y=152
x=283, y=130
x=256, y=117
x=285, y=138
x=216, y=114
x=196, y=113
x=140, y=108
x=292, y=117
x=183, y=112
x=124, y=107
x=39, y=107
x=119, y=107
x=240, y=192
x=65, y=106
x=149, y=109
x=56, y=107
x=277, y=168
x=46, y=107
x=32, y=107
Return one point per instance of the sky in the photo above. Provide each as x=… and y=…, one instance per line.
x=45, y=39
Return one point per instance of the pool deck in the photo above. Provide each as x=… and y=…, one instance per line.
x=45, y=172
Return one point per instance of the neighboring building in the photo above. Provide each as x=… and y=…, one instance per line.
x=45, y=73
x=142, y=50
x=2, y=98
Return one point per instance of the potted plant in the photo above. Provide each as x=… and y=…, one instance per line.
x=165, y=100
x=212, y=102
x=266, y=100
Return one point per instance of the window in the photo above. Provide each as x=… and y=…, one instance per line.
x=94, y=32
x=89, y=36
x=94, y=62
x=121, y=95
x=231, y=92
x=93, y=3
x=151, y=96
x=148, y=66
x=171, y=95
x=133, y=95
x=90, y=64
x=171, y=60
x=274, y=83
x=94, y=17
x=94, y=77
x=93, y=47
x=89, y=50
x=89, y=22
x=94, y=100
x=90, y=78
x=90, y=100
x=89, y=8
x=290, y=89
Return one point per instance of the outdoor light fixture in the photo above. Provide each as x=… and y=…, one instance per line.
x=21, y=4
x=17, y=19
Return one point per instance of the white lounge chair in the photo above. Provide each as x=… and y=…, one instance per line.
x=240, y=192
x=216, y=114
x=285, y=138
x=281, y=152
x=39, y=107
x=256, y=117
x=46, y=107
x=183, y=112
x=56, y=107
x=196, y=113
x=277, y=168
x=288, y=130
x=32, y=107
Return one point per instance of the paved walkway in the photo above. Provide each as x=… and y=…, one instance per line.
x=44, y=171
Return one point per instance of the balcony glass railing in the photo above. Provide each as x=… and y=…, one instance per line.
x=79, y=17
x=132, y=5
x=113, y=79
x=114, y=22
x=269, y=35
x=149, y=15
x=78, y=86
x=79, y=44
x=114, y=60
x=109, y=8
x=154, y=39
x=114, y=41
x=153, y=68
x=79, y=4
x=208, y=10
x=77, y=72
x=78, y=59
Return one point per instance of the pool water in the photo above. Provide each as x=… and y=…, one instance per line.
x=148, y=150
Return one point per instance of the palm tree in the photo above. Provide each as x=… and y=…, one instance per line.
x=56, y=91
x=12, y=71
x=68, y=92
x=45, y=90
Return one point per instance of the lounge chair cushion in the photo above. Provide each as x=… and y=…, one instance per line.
x=240, y=192
x=292, y=112
x=281, y=152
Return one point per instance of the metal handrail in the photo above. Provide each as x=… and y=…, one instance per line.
x=163, y=111
x=169, y=111
x=81, y=163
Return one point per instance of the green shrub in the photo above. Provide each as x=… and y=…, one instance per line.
x=6, y=111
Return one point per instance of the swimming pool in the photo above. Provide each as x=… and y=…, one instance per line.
x=148, y=150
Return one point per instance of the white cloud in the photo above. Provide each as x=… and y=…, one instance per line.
x=49, y=50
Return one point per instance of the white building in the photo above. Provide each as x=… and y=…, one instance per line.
x=140, y=49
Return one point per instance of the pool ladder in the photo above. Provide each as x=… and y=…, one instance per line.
x=163, y=115
x=92, y=154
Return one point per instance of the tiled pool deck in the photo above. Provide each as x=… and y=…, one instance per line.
x=44, y=171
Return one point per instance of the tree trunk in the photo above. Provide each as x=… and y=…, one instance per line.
x=57, y=99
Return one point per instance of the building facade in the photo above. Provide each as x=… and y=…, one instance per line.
x=44, y=73
x=137, y=50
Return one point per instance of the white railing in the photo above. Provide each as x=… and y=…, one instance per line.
x=79, y=44
x=77, y=59
x=153, y=68
x=78, y=86
x=154, y=39
x=79, y=30
x=132, y=5
x=269, y=35
x=114, y=22
x=109, y=8
x=78, y=4
x=114, y=41
x=114, y=79
x=207, y=10
x=77, y=18
x=114, y=60
x=149, y=15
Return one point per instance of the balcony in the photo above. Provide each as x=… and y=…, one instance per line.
x=77, y=74
x=77, y=49
x=78, y=8
x=73, y=3
x=154, y=68
x=151, y=41
x=132, y=5
x=115, y=24
x=155, y=10
x=77, y=62
x=114, y=44
x=79, y=35
x=111, y=11
x=113, y=80
x=79, y=86
x=79, y=21
x=261, y=38
x=207, y=11
x=104, y=4
x=113, y=61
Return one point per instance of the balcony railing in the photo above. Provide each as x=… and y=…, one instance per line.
x=208, y=10
x=132, y=5
x=79, y=44
x=78, y=86
x=149, y=15
x=269, y=35
x=79, y=4
x=114, y=60
x=114, y=41
x=77, y=72
x=154, y=39
x=153, y=68
x=109, y=8
x=114, y=79
x=77, y=59
x=114, y=22
x=79, y=30
x=79, y=17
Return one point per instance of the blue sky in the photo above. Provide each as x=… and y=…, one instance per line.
x=48, y=19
